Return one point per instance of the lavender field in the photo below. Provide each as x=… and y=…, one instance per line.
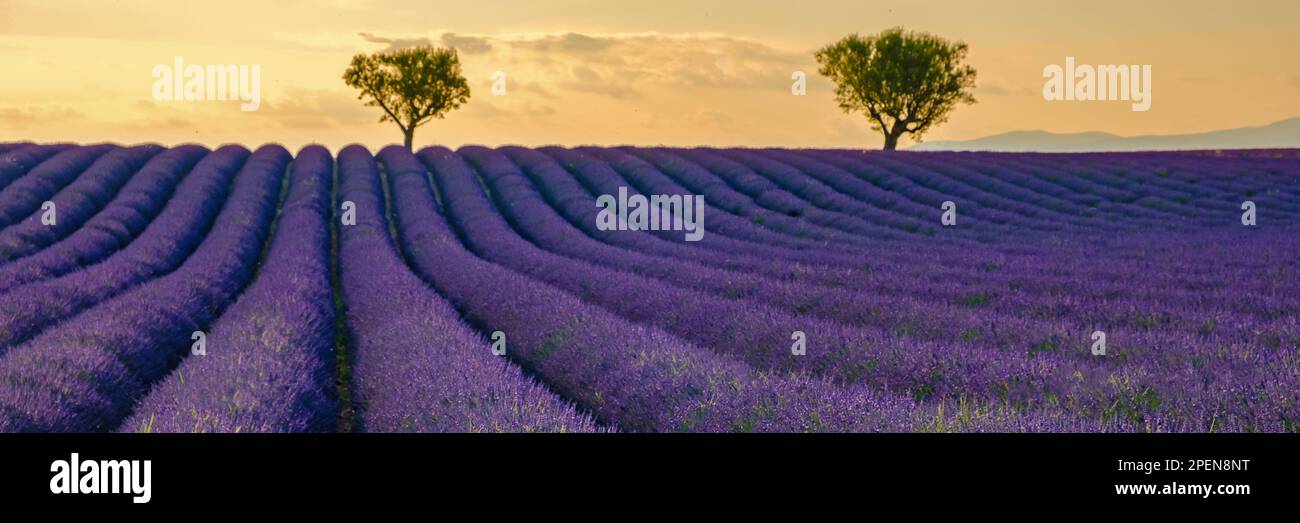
x=151, y=289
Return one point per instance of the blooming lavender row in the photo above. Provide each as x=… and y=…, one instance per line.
x=9, y=146
x=24, y=196
x=75, y=203
x=1062, y=171
x=1264, y=304
x=938, y=319
x=1248, y=298
x=842, y=192
x=770, y=185
x=996, y=190
x=458, y=186
x=732, y=242
x=934, y=271
x=820, y=261
x=909, y=325
x=1043, y=200
x=995, y=173
x=1092, y=389
x=741, y=224
x=1159, y=190
x=268, y=365
x=576, y=204
x=719, y=194
x=839, y=227
x=86, y=373
x=833, y=305
x=1166, y=202
x=815, y=263
x=823, y=203
x=1127, y=210
x=416, y=367
x=696, y=174
x=163, y=246
x=825, y=198
x=572, y=194
x=130, y=211
x=888, y=191
x=672, y=264
x=1208, y=185
x=701, y=179
x=1232, y=181
x=757, y=333
x=908, y=182
x=811, y=265
x=1134, y=194
x=15, y=162
x=974, y=202
x=1185, y=282
x=637, y=377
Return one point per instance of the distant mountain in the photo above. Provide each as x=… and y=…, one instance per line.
x=1283, y=134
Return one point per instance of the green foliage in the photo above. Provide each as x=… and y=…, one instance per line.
x=905, y=81
x=1048, y=344
x=413, y=86
x=976, y=300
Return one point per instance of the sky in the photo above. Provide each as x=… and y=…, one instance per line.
x=693, y=72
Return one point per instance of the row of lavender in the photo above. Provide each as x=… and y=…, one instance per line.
x=910, y=325
x=1194, y=381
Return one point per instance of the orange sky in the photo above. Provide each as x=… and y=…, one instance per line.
x=606, y=72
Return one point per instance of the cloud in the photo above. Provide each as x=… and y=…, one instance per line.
x=302, y=108
x=492, y=110
x=532, y=88
x=575, y=43
x=625, y=65
x=713, y=118
x=851, y=129
x=584, y=79
x=29, y=115
x=649, y=82
x=513, y=87
x=583, y=73
x=612, y=90
x=993, y=89
x=315, y=42
x=1005, y=87
x=467, y=44
x=483, y=109
x=615, y=64
x=395, y=44
x=178, y=123
x=292, y=108
x=149, y=115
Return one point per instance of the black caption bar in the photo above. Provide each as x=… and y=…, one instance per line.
x=147, y=472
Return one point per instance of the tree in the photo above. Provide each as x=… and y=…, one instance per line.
x=412, y=86
x=906, y=82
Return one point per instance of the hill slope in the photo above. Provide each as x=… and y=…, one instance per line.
x=1285, y=133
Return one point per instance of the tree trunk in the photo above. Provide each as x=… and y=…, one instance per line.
x=410, y=137
x=893, y=134
x=891, y=141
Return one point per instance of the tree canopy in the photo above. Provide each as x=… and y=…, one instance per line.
x=413, y=86
x=906, y=82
